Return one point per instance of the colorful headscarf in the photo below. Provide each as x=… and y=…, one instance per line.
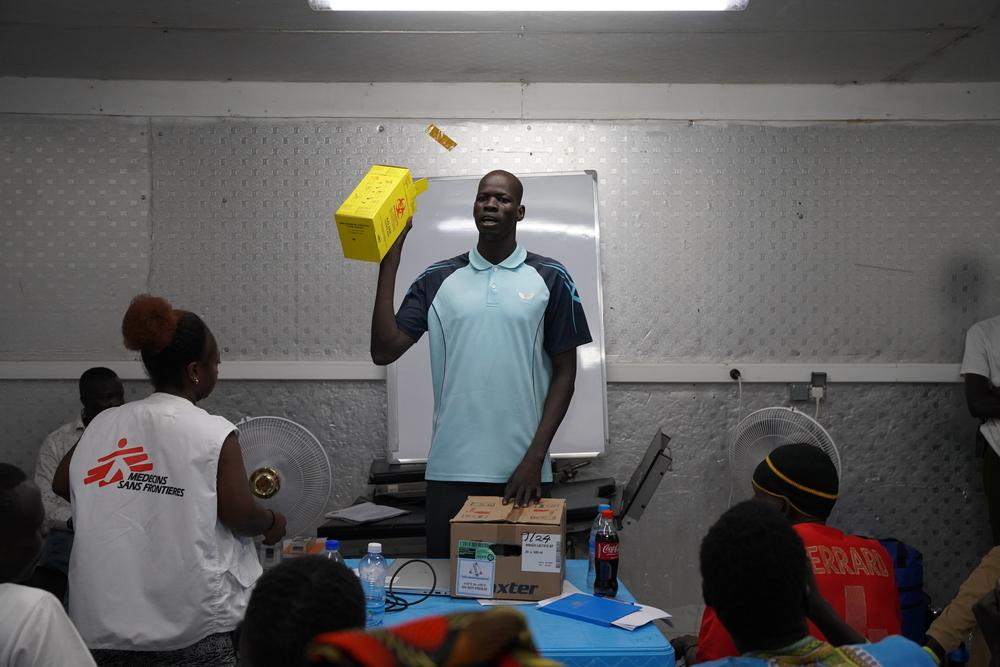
x=494, y=638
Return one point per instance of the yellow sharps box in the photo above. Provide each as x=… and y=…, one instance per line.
x=371, y=218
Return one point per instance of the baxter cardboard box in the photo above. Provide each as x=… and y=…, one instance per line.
x=371, y=218
x=499, y=551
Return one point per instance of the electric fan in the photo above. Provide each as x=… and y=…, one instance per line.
x=760, y=432
x=289, y=470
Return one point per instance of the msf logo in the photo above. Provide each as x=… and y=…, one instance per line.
x=110, y=469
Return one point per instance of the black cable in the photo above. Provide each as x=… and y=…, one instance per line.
x=393, y=601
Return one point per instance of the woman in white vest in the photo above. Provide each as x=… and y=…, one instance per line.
x=163, y=561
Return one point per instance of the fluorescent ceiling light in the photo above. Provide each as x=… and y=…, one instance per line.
x=529, y=6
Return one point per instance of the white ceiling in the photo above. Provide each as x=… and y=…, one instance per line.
x=773, y=41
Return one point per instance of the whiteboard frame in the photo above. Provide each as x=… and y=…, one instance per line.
x=559, y=448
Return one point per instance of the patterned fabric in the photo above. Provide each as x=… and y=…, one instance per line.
x=212, y=651
x=815, y=652
x=494, y=638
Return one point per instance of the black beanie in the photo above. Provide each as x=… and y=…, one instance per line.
x=801, y=474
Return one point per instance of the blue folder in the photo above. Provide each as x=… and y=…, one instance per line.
x=590, y=608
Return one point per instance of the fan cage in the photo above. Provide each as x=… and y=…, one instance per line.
x=301, y=462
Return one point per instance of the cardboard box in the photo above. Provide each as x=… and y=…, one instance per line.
x=371, y=218
x=499, y=551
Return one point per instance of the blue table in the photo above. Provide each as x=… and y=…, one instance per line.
x=574, y=643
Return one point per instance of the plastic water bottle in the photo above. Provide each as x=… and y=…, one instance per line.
x=591, y=543
x=372, y=570
x=332, y=551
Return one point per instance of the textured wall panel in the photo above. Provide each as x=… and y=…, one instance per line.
x=744, y=242
x=74, y=233
x=806, y=243
x=906, y=450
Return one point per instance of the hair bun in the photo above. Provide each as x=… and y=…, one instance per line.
x=149, y=324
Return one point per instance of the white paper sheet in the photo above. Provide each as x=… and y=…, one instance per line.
x=366, y=512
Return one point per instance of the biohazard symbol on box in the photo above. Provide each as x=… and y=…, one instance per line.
x=111, y=467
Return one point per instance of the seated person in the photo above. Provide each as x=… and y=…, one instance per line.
x=758, y=579
x=498, y=637
x=292, y=603
x=100, y=389
x=957, y=621
x=854, y=574
x=34, y=628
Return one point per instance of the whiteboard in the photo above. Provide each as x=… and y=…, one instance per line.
x=560, y=222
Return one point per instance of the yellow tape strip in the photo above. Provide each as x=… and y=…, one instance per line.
x=437, y=135
x=785, y=498
x=800, y=487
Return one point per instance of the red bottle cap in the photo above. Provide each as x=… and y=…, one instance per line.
x=608, y=514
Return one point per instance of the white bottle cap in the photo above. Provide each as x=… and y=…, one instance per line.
x=374, y=547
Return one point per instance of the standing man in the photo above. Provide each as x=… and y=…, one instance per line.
x=100, y=389
x=981, y=370
x=504, y=325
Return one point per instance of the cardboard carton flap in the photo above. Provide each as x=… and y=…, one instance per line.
x=548, y=511
x=490, y=509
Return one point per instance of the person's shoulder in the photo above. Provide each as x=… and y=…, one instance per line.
x=24, y=598
x=456, y=262
x=67, y=428
x=992, y=325
x=989, y=325
x=813, y=530
x=216, y=421
x=443, y=268
x=534, y=259
x=548, y=267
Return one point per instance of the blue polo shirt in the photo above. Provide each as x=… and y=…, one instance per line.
x=493, y=330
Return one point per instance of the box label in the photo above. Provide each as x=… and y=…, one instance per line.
x=475, y=549
x=540, y=552
x=475, y=578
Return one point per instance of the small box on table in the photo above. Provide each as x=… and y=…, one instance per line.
x=509, y=553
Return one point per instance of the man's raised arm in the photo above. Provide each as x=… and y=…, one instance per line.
x=388, y=341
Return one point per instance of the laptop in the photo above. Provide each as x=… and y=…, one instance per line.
x=409, y=575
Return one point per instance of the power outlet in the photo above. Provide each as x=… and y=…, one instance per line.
x=817, y=386
x=799, y=391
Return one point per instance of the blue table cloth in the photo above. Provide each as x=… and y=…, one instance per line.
x=572, y=642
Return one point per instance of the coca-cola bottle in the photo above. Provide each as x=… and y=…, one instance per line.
x=606, y=557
